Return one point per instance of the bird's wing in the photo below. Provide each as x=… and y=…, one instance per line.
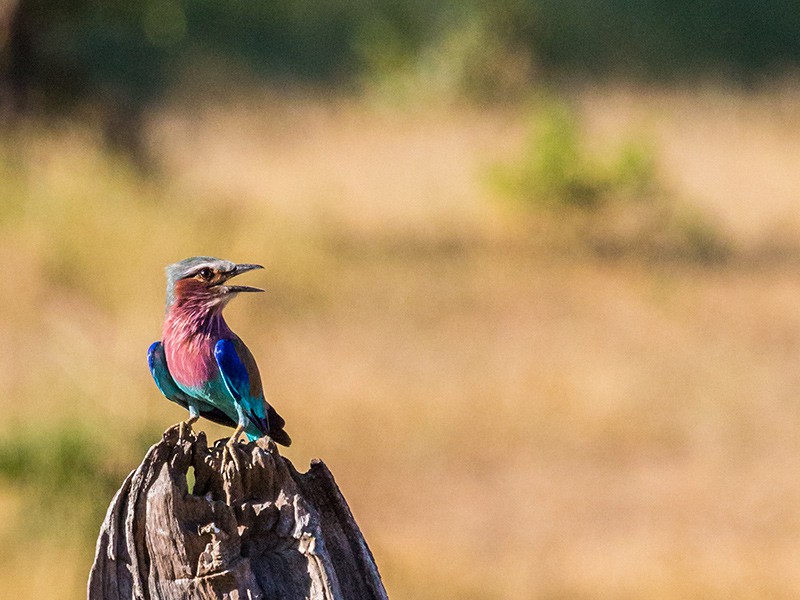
x=157, y=360
x=240, y=374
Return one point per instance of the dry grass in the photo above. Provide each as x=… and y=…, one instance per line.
x=505, y=422
x=732, y=153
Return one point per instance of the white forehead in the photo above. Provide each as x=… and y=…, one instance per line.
x=190, y=266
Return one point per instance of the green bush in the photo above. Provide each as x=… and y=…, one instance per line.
x=556, y=170
x=131, y=52
x=613, y=205
x=67, y=476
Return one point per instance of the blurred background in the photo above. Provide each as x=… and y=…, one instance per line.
x=532, y=273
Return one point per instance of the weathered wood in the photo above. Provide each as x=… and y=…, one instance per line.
x=252, y=527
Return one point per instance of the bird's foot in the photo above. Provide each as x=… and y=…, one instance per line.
x=267, y=443
x=234, y=439
x=185, y=428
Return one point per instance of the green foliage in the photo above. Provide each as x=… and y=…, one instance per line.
x=130, y=53
x=612, y=204
x=470, y=57
x=66, y=476
x=663, y=40
x=556, y=170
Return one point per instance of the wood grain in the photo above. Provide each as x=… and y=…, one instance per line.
x=251, y=527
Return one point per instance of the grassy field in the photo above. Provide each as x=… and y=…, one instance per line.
x=510, y=414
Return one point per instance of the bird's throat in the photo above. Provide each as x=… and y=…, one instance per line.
x=184, y=323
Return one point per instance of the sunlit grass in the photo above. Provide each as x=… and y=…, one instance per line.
x=506, y=419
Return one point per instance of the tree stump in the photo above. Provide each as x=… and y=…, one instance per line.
x=251, y=527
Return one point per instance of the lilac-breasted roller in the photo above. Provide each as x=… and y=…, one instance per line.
x=200, y=363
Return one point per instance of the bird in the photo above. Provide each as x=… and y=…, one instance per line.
x=200, y=363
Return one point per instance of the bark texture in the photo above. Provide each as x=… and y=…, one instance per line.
x=251, y=527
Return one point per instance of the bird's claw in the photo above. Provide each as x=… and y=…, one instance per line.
x=234, y=439
x=185, y=428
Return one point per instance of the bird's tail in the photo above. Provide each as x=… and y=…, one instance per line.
x=272, y=425
x=275, y=425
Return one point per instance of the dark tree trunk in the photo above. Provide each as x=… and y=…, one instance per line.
x=251, y=527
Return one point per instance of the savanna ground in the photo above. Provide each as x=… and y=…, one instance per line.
x=510, y=413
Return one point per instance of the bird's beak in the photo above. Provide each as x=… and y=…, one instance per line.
x=238, y=270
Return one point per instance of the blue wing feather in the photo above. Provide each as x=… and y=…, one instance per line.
x=237, y=381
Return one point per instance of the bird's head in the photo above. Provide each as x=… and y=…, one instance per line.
x=201, y=280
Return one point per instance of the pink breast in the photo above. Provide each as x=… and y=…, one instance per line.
x=188, y=338
x=191, y=364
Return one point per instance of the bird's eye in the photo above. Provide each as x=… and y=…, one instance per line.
x=205, y=273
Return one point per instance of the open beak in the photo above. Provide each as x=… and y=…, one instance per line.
x=238, y=270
